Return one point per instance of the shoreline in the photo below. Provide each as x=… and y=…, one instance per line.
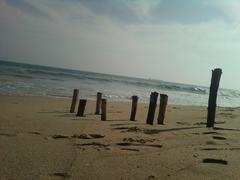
x=109, y=100
x=40, y=139
x=117, y=101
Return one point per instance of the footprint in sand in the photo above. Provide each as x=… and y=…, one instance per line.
x=88, y=136
x=124, y=144
x=94, y=145
x=210, y=132
x=8, y=134
x=151, y=177
x=78, y=136
x=219, y=137
x=213, y=149
x=35, y=132
x=96, y=136
x=211, y=143
x=138, y=140
x=136, y=144
x=200, y=123
x=59, y=136
x=81, y=136
x=60, y=174
x=215, y=161
x=130, y=149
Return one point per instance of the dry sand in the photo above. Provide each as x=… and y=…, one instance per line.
x=40, y=139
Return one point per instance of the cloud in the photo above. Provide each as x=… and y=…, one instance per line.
x=134, y=11
x=231, y=10
x=31, y=7
x=118, y=10
x=185, y=12
x=156, y=11
x=159, y=40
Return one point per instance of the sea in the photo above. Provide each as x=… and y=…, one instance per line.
x=34, y=80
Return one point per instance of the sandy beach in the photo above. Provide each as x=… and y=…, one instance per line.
x=40, y=139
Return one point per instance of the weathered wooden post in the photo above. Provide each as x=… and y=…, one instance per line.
x=162, y=108
x=81, y=107
x=74, y=100
x=216, y=75
x=134, y=108
x=104, y=110
x=152, y=107
x=98, y=103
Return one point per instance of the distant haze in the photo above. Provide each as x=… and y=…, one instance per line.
x=171, y=40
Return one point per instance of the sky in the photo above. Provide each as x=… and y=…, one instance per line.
x=171, y=40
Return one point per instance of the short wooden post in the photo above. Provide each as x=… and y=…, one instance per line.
x=74, y=100
x=152, y=107
x=134, y=108
x=162, y=108
x=81, y=107
x=104, y=110
x=216, y=75
x=98, y=103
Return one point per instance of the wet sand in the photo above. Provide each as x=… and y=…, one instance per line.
x=40, y=139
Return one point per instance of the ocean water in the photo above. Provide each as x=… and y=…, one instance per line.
x=33, y=80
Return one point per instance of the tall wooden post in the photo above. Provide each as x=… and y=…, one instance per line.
x=216, y=75
x=81, y=107
x=134, y=108
x=98, y=103
x=152, y=107
x=162, y=108
x=74, y=100
x=104, y=110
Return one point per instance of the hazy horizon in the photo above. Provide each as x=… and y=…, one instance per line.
x=168, y=40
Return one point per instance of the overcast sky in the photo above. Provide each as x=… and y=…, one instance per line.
x=171, y=40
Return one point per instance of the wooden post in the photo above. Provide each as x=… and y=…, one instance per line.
x=134, y=108
x=98, y=103
x=81, y=107
x=216, y=75
x=74, y=100
x=152, y=107
x=162, y=108
x=104, y=110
